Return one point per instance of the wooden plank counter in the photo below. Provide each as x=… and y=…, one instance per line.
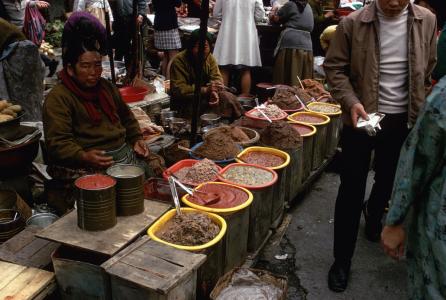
x=25, y=249
x=20, y=282
x=110, y=241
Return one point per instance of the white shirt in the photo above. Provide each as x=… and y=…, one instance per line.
x=394, y=63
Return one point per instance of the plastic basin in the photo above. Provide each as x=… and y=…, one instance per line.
x=185, y=163
x=133, y=94
x=171, y=213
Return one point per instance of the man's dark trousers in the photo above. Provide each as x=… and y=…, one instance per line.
x=357, y=148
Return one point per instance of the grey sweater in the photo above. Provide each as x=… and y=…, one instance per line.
x=303, y=23
x=124, y=8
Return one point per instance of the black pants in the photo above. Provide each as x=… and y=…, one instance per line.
x=357, y=147
x=122, y=37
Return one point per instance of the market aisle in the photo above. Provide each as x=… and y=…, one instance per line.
x=308, y=245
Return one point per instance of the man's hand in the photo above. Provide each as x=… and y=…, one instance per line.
x=42, y=4
x=392, y=240
x=141, y=149
x=357, y=111
x=139, y=20
x=97, y=159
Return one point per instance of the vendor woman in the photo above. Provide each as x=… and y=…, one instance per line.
x=182, y=80
x=88, y=127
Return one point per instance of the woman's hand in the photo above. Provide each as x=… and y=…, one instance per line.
x=42, y=4
x=96, y=159
x=141, y=148
x=392, y=240
x=214, y=99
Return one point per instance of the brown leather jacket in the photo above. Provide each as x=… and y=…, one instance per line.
x=352, y=62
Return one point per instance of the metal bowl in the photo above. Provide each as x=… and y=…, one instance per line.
x=42, y=219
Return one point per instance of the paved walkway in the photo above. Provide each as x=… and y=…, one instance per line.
x=308, y=242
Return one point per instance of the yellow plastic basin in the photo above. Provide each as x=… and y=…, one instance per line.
x=171, y=213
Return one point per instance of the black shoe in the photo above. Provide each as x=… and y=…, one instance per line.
x=373, y=227
x=338, y=276
x=53, y=67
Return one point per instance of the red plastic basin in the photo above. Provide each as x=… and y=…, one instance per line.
x=133, y=94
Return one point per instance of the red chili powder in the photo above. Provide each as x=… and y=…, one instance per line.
x=311, y=119
x=302, y=129
x=263, y=159
x=228, y=196
x=95, y=182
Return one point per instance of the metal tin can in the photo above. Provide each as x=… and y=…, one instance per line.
x=96, y=202
x=130, y=188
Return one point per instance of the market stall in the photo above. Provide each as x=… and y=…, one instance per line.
x=201, y=224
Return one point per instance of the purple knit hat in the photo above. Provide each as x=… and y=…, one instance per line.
x=82, y=32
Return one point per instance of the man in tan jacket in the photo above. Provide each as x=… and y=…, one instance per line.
x=380, y=60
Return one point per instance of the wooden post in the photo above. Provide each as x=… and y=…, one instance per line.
x=198, y=81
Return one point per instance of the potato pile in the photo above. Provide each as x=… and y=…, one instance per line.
x=47, y=49
x=8, y=111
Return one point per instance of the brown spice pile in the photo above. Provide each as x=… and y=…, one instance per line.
x=302, y=94
x=218, y=146
x=236, y=133
x=285, y=99
x=189, y=229
x=280, y=135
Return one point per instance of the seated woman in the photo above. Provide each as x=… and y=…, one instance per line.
x=87, y=125
x=182, y=81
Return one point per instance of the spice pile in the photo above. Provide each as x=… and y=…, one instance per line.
x=316, y=89
x=218, y=146
x=271, y=110
x=303, y=95
x=309, y=118
x=324, y=108
x=203, y=171
x=189, y=229
x=248, y=175
x=236, y=133
x=280, y=135
x=285, y=99
x=263, y=159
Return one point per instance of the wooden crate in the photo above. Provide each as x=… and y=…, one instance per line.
x=151, y=270
x=79, y=274
x=20, y=282
x=27, y=250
